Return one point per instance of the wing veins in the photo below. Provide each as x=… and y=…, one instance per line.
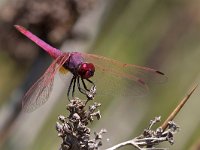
x=43, y=85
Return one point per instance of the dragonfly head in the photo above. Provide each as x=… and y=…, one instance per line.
x=86, y=70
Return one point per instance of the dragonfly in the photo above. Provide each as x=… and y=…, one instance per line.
x=88, y=71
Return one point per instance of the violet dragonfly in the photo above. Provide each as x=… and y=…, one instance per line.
x=109, y=73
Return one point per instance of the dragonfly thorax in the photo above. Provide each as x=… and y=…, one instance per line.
x=78, y=67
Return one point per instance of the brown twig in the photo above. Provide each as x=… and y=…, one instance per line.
x=150, y=138
x=178, y=108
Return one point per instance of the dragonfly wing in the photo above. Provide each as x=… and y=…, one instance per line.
x=39, y=93
x=128, y=78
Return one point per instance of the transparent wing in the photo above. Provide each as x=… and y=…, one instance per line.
x=39, y=93
x=114, y=77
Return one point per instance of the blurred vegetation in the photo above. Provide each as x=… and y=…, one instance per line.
x=160, y=34
x=9, y=71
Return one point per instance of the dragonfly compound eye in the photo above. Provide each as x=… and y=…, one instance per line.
x=86, y=70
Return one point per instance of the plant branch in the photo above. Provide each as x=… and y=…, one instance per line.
x=178, y=108
x=165, y=132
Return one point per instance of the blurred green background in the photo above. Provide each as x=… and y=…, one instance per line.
x=155, y=33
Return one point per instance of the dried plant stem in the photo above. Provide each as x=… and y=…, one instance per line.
x=76, y=135
x=130, y=142
x=178, y=108
x=151, y=138
x=137, y=143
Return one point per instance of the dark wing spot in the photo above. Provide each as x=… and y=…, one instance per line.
x=141, y=81
x=160, y=72
x=124, y=65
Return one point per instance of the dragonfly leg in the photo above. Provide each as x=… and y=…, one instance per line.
x=76, y=80
x=83, y=91
x=69, y=88
x=90, y=82
x=92, y=91
x=84, y=85
x=74, y=86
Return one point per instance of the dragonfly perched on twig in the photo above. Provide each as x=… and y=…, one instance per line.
x=83, y=67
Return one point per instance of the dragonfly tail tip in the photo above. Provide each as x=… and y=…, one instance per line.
x=20, y=28
x=17, y=26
